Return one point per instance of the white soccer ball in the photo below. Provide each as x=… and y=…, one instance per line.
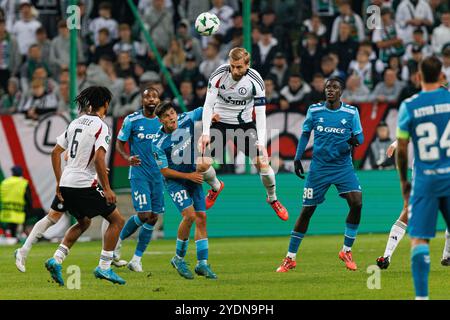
x=207, y=24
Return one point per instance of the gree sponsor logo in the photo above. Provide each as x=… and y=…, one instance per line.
x=330, y=130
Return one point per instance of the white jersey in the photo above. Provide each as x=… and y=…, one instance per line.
x=82, y=139
x=236, y=99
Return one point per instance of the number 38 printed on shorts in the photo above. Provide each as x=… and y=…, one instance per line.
x=308, y=193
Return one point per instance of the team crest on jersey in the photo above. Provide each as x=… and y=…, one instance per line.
x=141, y=128
x=242, y=91
x=344, y=121
x=321, y=120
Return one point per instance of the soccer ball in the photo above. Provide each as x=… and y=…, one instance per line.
x=207, y=24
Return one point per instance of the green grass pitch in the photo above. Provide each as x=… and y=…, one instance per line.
x=245, y=267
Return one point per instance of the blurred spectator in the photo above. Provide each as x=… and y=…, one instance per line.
x=310, y=55
x=104, y=47
x=412, y=86
x=354, y=20
x=149, y=63
x=63, y=94
x=237, y=27
x=39, y=101
x=104, y=21
x=418, y=41
x=224, y=13
x=160, y=25
x=328, y=67
x=9, y=9
x=395, y=64
x=294, y=93
x=269, y=20
x=150, y=78
x=9, y=56
x=126, y=43
x=272, y=96
x=413, y=14
x=446, y=63
x=317, y=93
x=388, y=38
x=33, y=61
x=44, y=43
x=345, y=47
x=60, y=49
x=280, y=70
x=355, y=91
x=191, y=45
x=175, y=58
x=438, y=7
x=25, y=28
x=200, y=93
x=129, y=100
x=187, y=95
x=315, y=25
x=190, y=70
x=124, y=67
x=441, y=34
x=49, y=13
x=413, y=62
x=389, y=90
x=268, y=46
x=41, y=73
x=364, y=69
x=378, y=148
x=82, y=82
x=211, y=61
x=9, y=102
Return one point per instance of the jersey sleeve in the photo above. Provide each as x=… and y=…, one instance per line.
x=62, y=141
x=196, y=114
x=211, y=96
x=103, y=138
x=403, y=123
x=356, y=125
x=160, y=157
x=308, y=123
x=260, y=90
x=125, y=131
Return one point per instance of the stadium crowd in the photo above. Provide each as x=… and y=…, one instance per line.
x=296, y=45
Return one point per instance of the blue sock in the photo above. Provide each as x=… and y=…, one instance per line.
x=350, y=234
x=182, y=246
x=130, y=227
x=202, y=251
x=145, y=235
x=294, y=243
x=420, y=265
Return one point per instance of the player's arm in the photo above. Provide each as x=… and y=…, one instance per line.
x=122, y=138
x=402, y=150
x=208, y=107
x=60, y=147
x=302, y=143
x=101, y=148
x=391, y=149
x=260, y=111
x=357, y=136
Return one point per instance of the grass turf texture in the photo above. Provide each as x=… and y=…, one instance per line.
x=245, y=267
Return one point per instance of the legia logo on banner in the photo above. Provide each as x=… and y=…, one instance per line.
x=46, y=131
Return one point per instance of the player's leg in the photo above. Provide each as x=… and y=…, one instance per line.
x=54, y=265
x=53, y=216
x=422, y=227
x=209, y=176
x=201, y=235
x=445, y=210
x=396, y=234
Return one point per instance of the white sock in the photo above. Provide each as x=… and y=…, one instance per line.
x=291, y=255
x=346, y=249
x=210, y=178
x=136, y=258
x=39, y=228
x=105, y=259
x=422, y=298
x=61, y=253
x=268, y=180
x=446, y=253
x=397, y=232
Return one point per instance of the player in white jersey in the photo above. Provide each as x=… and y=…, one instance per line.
x=234, y=91
x=87, y=140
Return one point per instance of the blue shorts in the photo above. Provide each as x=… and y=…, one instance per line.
x=147, y=195
x=318, y=182
x=423, y=214
x=186, y=194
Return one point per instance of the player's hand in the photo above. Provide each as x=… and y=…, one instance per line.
x=391, y=149
x=406, y=190
x=353, y=141
x=110, y=196
x=299, y=169
x=134, y=161
x=215, y=117
x=203, y=142
x=58, y=194
x=196, y=177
